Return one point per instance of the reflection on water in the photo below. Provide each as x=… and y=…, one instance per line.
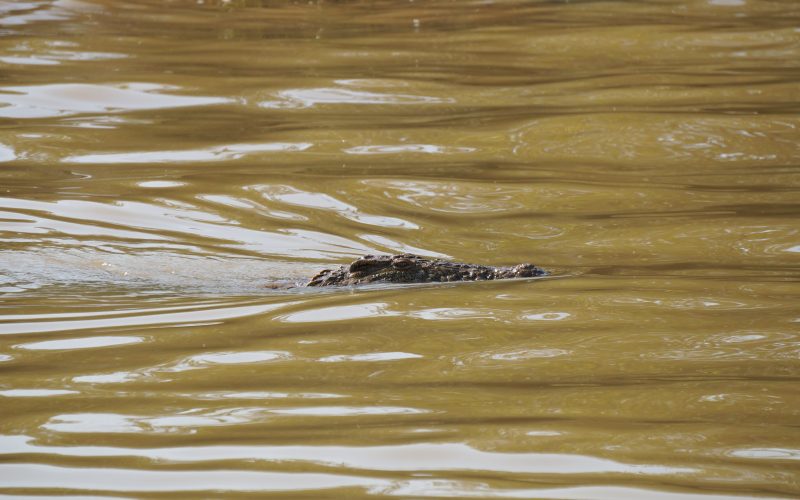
x=35, y=393
x=306, y=98
x=218, y=153
x=70, y=99
x=173, y=173
x=451, y=456
x=79, y=343
x=126, y=480
x=226, y=358
x=16, y=324
x=373, y=356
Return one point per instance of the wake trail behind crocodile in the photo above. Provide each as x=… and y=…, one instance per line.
x=25, y=270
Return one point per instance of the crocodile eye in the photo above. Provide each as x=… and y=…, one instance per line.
x=360, y=264
x=402, y=263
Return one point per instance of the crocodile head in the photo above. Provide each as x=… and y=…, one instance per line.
x=410, y=268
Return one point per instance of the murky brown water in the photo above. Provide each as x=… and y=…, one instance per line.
x=162, y=161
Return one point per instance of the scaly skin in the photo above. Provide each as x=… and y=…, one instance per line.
x=410, y=268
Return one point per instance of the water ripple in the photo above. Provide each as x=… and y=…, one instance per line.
x=161, y=219
x=192, y=314
x=185, y=421
x=231, y=358
x=290, y=195
x=20, y=13
x=47, y=56
x=338, y=313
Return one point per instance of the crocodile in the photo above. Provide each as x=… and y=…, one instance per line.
x=411, y=268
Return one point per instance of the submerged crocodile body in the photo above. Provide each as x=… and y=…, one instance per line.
x=410, y=268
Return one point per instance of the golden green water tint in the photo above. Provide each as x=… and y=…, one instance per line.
x=162, y=162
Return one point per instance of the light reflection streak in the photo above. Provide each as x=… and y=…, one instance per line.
x=7, y=153
x=108, y=378
x=306, y=98
x=35, y=393
x=55, y=57
x=28, y=60
x=461, y=197
x=39, y=12
x=185, y=421
x=321, y=201
x=401, y=457
x=348, y=411
x=401, y=247
x=80, y=343
x=18, y=6
x=546, y=316
x=86, y=314
x=160, y=184
x=110, y=479
x=167, y=218
x=27, y=224
x=372, y=356
x=338, y=313
x=381, y=309
x=243, y=203
x=383, y=149
x=463, y=489
x=453, y=313
x=44, y=101
x=264, y=395
x=523, y=354
x=210, y=359
x=226, y=152
x=193, y=316
x=188, y=421
x=767, y=453
x=235, y=358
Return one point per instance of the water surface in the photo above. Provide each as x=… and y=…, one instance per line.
x=165, y=164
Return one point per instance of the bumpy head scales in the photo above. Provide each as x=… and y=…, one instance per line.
x=411, y=268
